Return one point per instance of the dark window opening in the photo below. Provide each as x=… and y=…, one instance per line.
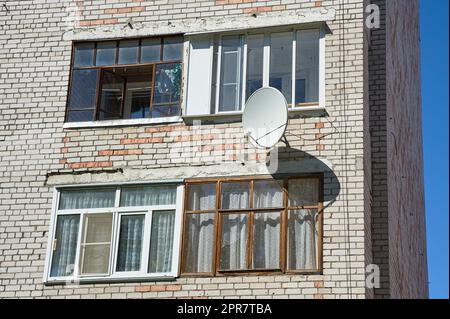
x=127, y=79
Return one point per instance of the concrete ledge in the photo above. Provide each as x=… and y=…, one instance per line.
x=203, y=25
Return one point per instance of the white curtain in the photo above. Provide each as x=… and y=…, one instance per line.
x=200, y=241
x=267, y=194
x=148, y=195
x=202, y=197
x=66, y=245
x=303, y=191
x=87, y=198
x=161, y=242
x=130, y=242
x=266, y=241
x=235, y=195
x=233, y=251
x=302, y=239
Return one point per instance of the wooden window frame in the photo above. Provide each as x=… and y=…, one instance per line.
x=101, y=69
x=283, y=269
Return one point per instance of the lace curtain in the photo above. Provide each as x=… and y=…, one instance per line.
x=130, y=243
x=66, y=243
x=302, y=239
x=87, y=198
x=148, y=195
x=233, y=251
x=161, y=241
x=266, y=241
x=200, y=242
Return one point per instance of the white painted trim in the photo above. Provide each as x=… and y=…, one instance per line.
x=124, y=122
x=322, y=66
x=51, y=234
x=186, y=57
x=146, y=182
x=177, y=230
x=116, y=212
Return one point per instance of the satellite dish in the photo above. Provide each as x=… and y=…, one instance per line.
x=265, y=117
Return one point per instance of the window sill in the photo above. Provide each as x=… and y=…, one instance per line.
x=313, y=110
x=115, y=279
x=127, y=122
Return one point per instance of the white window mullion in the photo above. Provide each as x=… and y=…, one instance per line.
x=81, y=235
x=177, y=229
x=115, y=242
x=266, y=64
x=112, y=245
x=322, y=67
x=218, y=83
x=244, y=73
x=146, y=242
x=294, y=57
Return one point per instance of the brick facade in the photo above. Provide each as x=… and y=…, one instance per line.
x=37, y=153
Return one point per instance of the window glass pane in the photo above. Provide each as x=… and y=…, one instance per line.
x=97, y=228
x=281, y=63
x=130, y=242
x=128, y=51
x=151, y=50
x=255, y=62
x=266, y=241
x=80, y=116
x=307, y=67
x=201, y=197
x=111, y=96
x=231, y=74
x=148, y=195
x=235, y=195
x=63, y=261
x=138, y=90
x=161, y=242
x=167, y=87
x=84, y=54
x=96, y=246
x=87, y=198
x=267, y=194
x=165, y=111
x=199, y=243
x=233, y=251
x=302, y=239
x=106, y=53
x=303, y=192
x=173, y=49
x=83, y=89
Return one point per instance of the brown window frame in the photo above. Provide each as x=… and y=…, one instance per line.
x=101, y=69
x=283, y=269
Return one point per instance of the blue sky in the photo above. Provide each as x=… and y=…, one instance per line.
x=435, y=87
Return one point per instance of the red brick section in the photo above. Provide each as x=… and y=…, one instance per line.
x=264, y=9
x=142, y=140
x=91, y=164
x=157, y=288
x=318, y=4
x=124, y=10
x=318, y=284
x=201, y=137
x=87, y=23
x=224, y=2
x=120, y=152
x=165, y=129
